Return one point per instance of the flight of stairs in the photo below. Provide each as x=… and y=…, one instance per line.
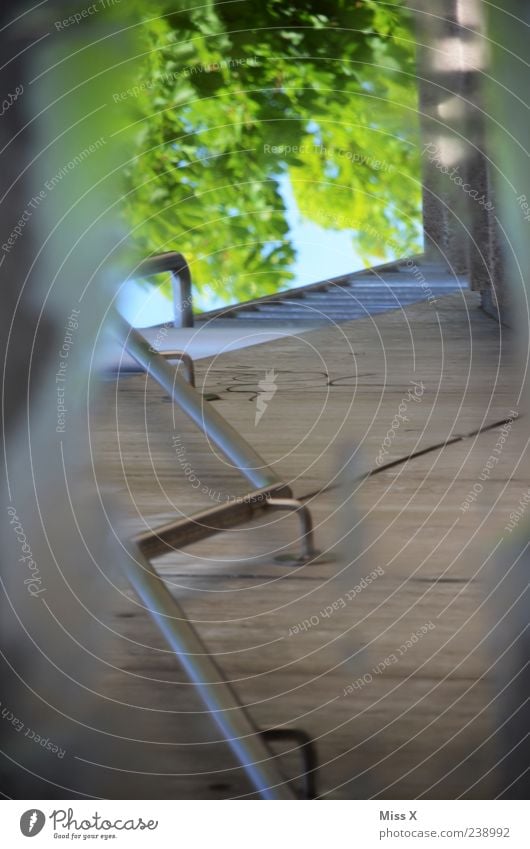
x=355, y=295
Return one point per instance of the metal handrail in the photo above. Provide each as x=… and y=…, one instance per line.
x=239, y=731
x=244, y=458
x=181, y=283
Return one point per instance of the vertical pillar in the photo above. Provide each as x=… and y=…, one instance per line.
x=459, y=199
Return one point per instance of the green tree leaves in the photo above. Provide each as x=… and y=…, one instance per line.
x=241, y=93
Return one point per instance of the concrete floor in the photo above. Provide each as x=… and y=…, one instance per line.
x=397, y=685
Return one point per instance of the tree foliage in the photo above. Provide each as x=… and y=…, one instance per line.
x=230, y=96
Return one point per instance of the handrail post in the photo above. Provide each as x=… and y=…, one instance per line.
x=175, y=263
x=182, y=295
